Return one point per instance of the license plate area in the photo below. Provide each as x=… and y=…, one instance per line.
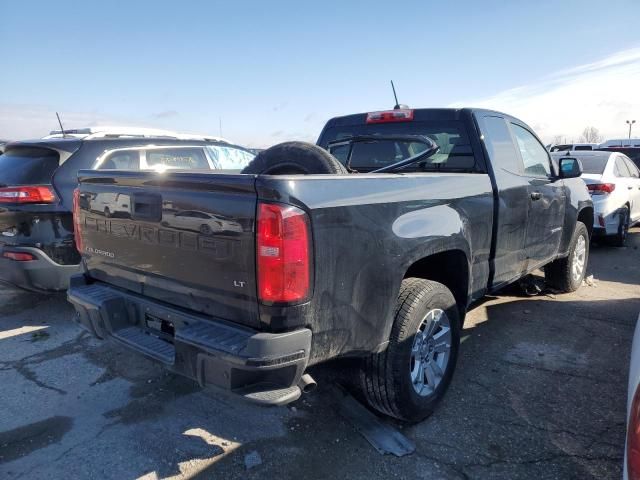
x=159, y=327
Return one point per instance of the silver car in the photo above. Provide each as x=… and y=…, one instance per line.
x=614, y=183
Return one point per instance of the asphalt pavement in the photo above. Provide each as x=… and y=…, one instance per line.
x=540, y=392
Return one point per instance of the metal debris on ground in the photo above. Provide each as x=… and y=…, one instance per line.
x=531, y=285
x=384, y=438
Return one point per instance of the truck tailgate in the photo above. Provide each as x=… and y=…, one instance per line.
x=183, y=238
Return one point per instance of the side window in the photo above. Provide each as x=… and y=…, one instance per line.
x=500, y=148
x=621, y=169
x=229, y=158
x=534, y=155
x=633, y=170
x=127, y=160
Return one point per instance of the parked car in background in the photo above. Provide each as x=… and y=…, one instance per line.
x=572, y=146
x=613, y=181
x=632, y=152
x=632, y=450
x=371, y=244
x=620, y=142
x=37, y=178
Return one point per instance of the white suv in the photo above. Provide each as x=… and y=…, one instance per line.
x=614, y=183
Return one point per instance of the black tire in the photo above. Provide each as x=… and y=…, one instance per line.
x=107, y=212
x=559, y=273
x=385, y=378
x=620, y=238
x=294, y=158
x=205, y=229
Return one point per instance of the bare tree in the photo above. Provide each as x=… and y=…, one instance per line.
x=591, y=135
x=557, y=139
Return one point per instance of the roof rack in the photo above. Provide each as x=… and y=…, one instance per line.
x=88, y=133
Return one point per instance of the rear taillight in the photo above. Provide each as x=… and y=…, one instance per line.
x=27, y=195
x=283, y=254
x=633, y=438
x=77, y=224
x=19, y=256
x=601, y=188
x=390, y=116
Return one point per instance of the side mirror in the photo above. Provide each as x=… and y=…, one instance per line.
x=570, y=168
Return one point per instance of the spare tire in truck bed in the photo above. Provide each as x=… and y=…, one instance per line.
x=294, y=158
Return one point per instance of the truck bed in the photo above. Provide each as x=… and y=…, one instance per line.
x=361, y=225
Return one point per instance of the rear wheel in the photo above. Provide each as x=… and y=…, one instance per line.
x=107, y=212
x=620, y=238
x=566, y=274
x=408, y=379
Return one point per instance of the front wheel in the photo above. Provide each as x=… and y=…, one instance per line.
x=407, y=380
x=566, y=274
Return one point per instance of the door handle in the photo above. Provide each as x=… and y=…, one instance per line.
x=536, y=195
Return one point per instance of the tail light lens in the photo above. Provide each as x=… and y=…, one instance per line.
x=77, y=224
x=283, y=254
x=633, y=438
x=601, y=188
x=390, y=116
x=19, y=256
x=27, y=195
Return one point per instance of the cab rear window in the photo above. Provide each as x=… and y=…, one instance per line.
x=455, y=152
x=28, y=166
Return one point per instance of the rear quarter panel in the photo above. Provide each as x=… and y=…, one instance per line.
x=367, y=231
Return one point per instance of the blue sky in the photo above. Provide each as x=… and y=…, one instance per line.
x=278, y=70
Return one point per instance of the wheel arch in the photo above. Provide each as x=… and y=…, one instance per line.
x=586, y=216
x=449, y=267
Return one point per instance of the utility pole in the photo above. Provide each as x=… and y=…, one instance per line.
x=220, y=125
x=630, y=123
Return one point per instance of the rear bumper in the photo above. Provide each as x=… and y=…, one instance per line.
x=41, y=274
x=263, y=367
x=606, y=224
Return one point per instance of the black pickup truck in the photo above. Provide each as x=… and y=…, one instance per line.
x=371, y=244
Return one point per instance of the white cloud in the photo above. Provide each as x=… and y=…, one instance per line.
x=602, y=94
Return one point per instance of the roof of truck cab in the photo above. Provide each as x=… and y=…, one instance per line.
x=419, y=115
